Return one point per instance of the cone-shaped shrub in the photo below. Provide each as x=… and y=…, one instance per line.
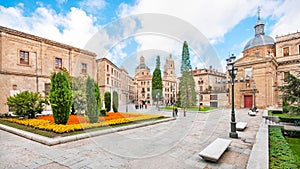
x=115, y=101
x=61, y=97
x=107, y=101
x=92, y=99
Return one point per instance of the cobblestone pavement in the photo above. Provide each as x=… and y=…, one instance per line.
x=173, y=144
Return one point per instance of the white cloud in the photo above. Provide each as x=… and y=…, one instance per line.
x=92, y=6
x=213, y=18
x=288, y=15
x=75, y=28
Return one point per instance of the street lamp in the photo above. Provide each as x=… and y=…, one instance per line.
x=232, y=72
x=199, y=92
x=172, y=99
x=254, y=89
x=157, y=96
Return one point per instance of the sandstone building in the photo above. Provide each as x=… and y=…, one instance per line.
x=210, y=86
x=27, y=61
x=264, y=65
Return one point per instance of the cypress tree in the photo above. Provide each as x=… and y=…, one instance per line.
x=115, y=101
x=187, y=84
x=60, y=97
x=92, y=100
x=157, y=81
x=107, y=101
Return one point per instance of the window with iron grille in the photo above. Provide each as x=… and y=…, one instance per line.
x=58, y=63
x=83, y=68
x=24, y=57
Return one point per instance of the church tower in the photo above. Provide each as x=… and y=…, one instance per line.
x=169, y=81
x=169, y=69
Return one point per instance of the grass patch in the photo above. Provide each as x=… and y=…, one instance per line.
x=204, y=109
x=295, y=146
x=51, y=134
x=280, y=153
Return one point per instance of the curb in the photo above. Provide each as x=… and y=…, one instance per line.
x=54, y=141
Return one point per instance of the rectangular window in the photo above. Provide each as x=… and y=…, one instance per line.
x=24, y=57
x=107, y=81
x=107, y=68
x=47, y=89
x=213, y=97
x=248, y=72
x=286, y=74
x=148, y=89
x=83, y=68
x=299, y=49
x=58, y=63
x=286, y=51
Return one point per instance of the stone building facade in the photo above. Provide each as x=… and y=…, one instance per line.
x=112, y=78
x=143, y=81
x=169, y=80
x=27, y=61
x=210, y=86
x=263, y=67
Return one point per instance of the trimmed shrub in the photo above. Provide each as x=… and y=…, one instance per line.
x=107, y=101
x=115, y=101
x=292, y=133
x=281, y=155
x=294, y=120
x=92, y=98
x=103, y=112
x=26, y=104
x=60, y=97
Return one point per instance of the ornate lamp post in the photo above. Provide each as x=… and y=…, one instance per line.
x=172, y=99
x=232, y=72
x=199, y=92
x=157, y=97
x=254, y=89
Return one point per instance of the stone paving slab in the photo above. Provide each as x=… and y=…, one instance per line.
x=173, y=144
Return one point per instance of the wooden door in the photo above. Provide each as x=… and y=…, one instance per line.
x=248, y=101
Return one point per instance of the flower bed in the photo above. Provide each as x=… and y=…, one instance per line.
x=77, y=123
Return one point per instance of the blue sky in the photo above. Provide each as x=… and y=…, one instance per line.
x=227, y=25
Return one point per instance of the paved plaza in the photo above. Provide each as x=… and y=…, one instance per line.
x=172, y=144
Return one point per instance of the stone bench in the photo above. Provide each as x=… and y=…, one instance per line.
x=215, y=149
x=241, y=126
x=265, y=114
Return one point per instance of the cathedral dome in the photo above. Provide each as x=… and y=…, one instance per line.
x=259, y=40
x=142, y=64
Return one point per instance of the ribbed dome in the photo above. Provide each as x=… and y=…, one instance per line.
x=142, y=66
x=259, y=40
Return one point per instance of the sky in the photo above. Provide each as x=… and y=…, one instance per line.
x=122, y=31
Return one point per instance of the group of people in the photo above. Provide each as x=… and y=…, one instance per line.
x=141, y=104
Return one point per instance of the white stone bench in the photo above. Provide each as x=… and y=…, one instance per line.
x=241, y=126
x=215, y=149
x=252, y=113
x=265, y=114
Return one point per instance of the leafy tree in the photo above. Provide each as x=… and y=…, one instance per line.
x=115, y=101
x=186, y=84
x=98, y=96
x=157, y=81
x=60, y=97
x=107, y=101
x=291, y=94
x=178, y=102
x=26, y=104
x=92, y=100
x=79, y=87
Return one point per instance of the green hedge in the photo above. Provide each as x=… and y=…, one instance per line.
x=290, y=120
x=292, y=133
x=281, y=155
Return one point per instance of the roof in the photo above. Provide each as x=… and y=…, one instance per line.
x=142, y=66
x=259, y=40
